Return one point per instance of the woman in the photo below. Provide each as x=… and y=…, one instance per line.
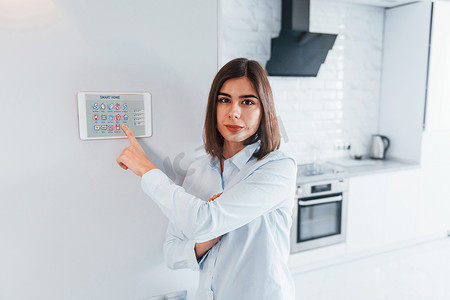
x=239, y=239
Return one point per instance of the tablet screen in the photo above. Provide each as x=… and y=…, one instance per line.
x=106, y=113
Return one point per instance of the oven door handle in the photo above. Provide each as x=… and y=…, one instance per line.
x=320, y=201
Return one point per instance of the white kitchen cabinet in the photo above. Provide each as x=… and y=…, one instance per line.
x=415, y=85
x=383, y=209
x=438, y=98
x=415, y=103
x=434, y=204
x=404, y=78
x=435, y=153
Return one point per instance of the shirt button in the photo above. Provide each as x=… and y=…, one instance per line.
x=210, y=294
x=209, y=273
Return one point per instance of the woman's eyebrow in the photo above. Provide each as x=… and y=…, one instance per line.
x=240, y=97
x=248, y=96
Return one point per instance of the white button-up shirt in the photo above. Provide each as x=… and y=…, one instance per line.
x=253, y=214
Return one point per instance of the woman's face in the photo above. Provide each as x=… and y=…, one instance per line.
x=238, y=111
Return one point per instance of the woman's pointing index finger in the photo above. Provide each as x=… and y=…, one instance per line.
x=129, y=134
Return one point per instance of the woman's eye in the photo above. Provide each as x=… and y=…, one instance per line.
x=224, y=100
x=248, y=102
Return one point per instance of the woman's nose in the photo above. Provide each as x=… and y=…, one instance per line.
x=235, y=112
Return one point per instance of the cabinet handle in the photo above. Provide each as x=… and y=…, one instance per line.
x=319, y=201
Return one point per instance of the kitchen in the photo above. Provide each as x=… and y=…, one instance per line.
x=73, y=226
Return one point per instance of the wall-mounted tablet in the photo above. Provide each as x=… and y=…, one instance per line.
x=100, y=114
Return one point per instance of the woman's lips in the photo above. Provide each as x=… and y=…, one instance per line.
x=234, y=128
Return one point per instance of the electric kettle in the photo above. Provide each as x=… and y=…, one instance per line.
x=380, y=144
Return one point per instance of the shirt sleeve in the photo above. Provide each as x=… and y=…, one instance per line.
x=178, y=251
x=262, y=191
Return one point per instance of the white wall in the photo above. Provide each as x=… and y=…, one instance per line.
x=73, y=225
x=338, y=106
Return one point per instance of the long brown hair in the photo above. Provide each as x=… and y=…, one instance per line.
x=268, y=131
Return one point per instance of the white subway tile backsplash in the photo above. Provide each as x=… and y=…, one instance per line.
x=341, y=103
x=297, y=95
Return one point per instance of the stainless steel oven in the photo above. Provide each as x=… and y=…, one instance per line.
x=320, y=214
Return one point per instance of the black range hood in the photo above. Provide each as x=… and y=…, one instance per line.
x=297, y=51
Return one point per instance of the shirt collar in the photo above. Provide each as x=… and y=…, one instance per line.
x=243, y=156
x=240, y=158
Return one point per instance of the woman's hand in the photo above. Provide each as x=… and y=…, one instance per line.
x=202, y=248
x=134, y=157
x=214, y=197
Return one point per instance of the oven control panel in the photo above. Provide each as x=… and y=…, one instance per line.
x=322, y=187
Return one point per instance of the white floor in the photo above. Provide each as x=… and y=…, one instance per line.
x=417, y=272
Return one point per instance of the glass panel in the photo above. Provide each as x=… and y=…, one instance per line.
x=319, y=220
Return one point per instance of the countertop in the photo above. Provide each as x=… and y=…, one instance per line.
x=347, y=168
